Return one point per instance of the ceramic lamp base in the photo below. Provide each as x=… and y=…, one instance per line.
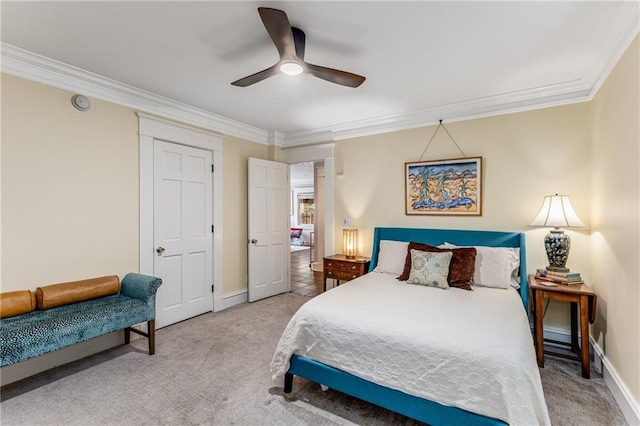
x=557, y=245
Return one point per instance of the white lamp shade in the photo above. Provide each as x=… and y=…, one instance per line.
x=557, y=212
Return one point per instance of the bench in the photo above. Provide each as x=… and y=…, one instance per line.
x=61, y=315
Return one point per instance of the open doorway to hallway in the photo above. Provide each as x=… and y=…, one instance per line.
x=306, y=224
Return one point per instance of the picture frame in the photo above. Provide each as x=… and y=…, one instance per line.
x=451, y=187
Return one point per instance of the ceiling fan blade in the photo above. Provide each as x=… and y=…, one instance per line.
x=299, y=41
x=257, y=77
x=279, y=28
x=335, y=76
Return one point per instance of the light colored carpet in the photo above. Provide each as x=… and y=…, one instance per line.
x=214, y=369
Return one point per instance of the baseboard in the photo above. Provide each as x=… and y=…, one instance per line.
x=228, y=300
x=29, y=367
x=629, y=407
x=564, y=336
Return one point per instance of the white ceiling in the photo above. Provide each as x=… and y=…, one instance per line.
x=422, y=60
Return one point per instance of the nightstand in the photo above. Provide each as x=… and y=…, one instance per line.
x=340, y=268
x=580, y=296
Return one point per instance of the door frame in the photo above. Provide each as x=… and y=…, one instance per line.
x=151, y=128
x=320, y=152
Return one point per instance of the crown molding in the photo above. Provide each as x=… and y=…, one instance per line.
x=297, y=139
x=623, y=30
x=276, y=138
x=485, y=107
x=29, y=65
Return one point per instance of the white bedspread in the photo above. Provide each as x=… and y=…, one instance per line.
x=468, y=349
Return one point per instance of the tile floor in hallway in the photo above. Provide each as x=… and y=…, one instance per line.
x=304, y=281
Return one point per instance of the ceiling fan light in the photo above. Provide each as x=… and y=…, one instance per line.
x=291, y=68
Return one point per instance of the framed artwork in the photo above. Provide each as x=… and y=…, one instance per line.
x=444, y=187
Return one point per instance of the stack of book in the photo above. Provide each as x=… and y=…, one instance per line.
x=567, y=278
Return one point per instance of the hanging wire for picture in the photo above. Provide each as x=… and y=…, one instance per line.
x=434, y=135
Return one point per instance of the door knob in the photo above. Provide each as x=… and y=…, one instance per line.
x=160, y=250
x=254, y=241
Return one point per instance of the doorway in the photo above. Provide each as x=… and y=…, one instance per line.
x=306, y=206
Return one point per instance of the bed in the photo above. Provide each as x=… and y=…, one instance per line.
x=438, y=356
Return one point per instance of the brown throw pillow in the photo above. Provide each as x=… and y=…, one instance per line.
x=16, y=303
x=52, y=296
x=460, y=270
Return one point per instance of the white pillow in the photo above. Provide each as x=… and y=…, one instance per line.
x=495, y=266
x=515, y=280
x=391, y=257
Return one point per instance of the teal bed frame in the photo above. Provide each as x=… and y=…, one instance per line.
x=430, y=412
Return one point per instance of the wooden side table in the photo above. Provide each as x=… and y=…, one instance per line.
x=579, y=296
x=340, y=268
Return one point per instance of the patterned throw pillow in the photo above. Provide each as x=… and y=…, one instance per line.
x=461, y=268
x=429, y=268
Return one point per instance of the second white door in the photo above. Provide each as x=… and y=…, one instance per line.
x=182, y=231
x=269, y=232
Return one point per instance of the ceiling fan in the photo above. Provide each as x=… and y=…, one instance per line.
x=290, y=42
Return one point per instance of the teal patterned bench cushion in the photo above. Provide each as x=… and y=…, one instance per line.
x=39, y=332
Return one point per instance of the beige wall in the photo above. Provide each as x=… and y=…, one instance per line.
x=615, y=224
x=236, y=154
x=525, y=157
x=70, y=190
x=69, y=187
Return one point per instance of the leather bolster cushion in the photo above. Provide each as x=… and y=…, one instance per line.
x=14, y=303
x=55, y=295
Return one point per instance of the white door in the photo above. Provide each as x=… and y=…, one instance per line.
x=182, y=231
x=269, y=232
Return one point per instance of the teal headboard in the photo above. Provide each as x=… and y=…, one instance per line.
x=436, y=237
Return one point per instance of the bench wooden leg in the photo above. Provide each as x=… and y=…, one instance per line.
x=288, y=382
x=149, y=334
x=151, y=329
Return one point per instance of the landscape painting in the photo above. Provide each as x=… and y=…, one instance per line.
x=444, y=187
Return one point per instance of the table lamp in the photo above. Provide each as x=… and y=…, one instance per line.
x=350, y=243
x=556, y=212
